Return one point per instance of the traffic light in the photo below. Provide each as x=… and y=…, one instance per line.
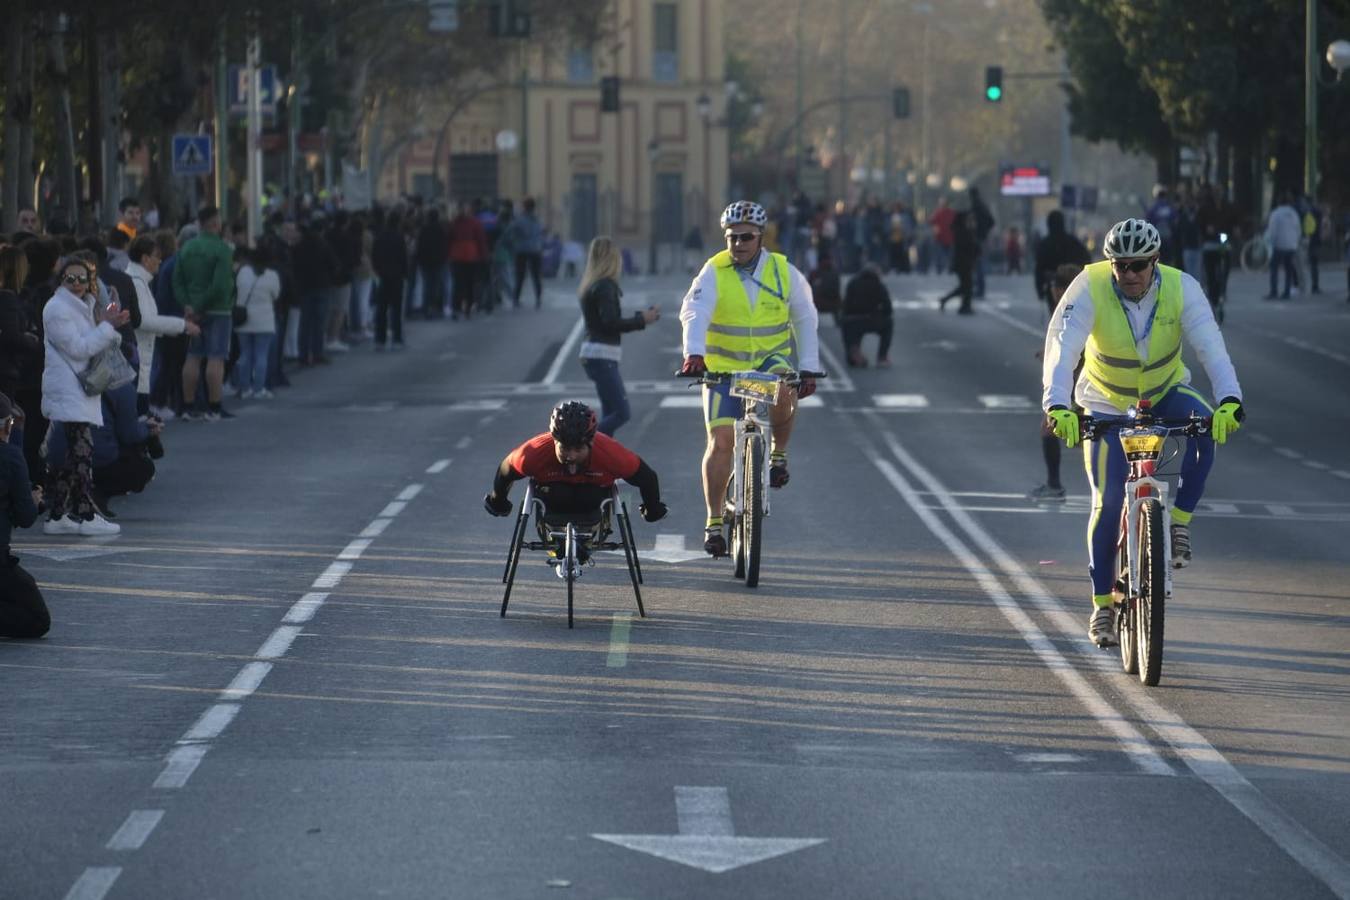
x=609, y=94
x=900, y=102
x=993, y=83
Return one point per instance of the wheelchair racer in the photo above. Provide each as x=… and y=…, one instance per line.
x=573, y=468
x=1126, y=316
x=743, y=312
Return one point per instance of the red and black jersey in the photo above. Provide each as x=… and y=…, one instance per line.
x=609, y=461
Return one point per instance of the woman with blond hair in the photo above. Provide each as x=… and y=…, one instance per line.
x=605, y=325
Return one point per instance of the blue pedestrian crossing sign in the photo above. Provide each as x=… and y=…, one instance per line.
x=192, y=154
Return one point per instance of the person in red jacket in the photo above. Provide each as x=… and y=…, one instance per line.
x=468, y=252
x=574, y=467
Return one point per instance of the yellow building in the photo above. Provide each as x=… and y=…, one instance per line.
x=645, y=174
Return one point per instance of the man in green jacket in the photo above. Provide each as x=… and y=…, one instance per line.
x=203, y=281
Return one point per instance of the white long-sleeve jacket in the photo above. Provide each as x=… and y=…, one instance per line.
x=696, y=310
x=1072, y=324
x=153, y=323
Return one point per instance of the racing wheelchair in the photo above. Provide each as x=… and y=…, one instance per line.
x=571, y=539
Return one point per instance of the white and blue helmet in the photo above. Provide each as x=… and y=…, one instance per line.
x=744, y=212
x=1131, y=239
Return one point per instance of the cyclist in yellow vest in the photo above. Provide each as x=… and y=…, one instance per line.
x=1126, y=317
x=745, y=310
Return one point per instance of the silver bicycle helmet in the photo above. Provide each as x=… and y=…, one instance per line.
x=744, y=212
x=1131, y=239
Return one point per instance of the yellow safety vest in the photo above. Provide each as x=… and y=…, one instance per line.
x=741, y=337
x=1111, y=359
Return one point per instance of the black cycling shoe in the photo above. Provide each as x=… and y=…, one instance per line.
x=778, y=475
x=715, y=544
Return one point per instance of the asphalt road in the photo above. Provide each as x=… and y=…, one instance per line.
x=287, y=677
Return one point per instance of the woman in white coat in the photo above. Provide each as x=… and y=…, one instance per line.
x=74, y=334
x=144, y=256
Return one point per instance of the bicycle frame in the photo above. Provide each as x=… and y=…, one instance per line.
x=754, y=421
x=1142, y=485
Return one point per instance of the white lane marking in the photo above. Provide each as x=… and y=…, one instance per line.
x=900, y=401
x=354, y=549
x=839, y=379
x=813, y=402
x=1219, y=509
x=376, y=528
x=95, y=883
x=1310, y=347
x=1314, y=464
x=215, y=720
x=1016, y=323
x=1134, y=744
x=1260, y=438
x=1341, y=473
x=463, y=443
x=1058, y=758
x=1280, y=509
x=332, y=575
x=304, y=609
x=703, y=810
x=1190, y=745
x=564, y=352
x=247, y=681
x=182, y=762
x=618, y=640
x=409, y=492
x=135, y=830
x=678, y=402
x=491, y=405
x=1006, y=401
x=1288, y=453
x=393, y=509
x=278, y=642
x=438, y=467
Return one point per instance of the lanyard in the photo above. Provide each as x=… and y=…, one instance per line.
x=778, y=279
x=1148, y=326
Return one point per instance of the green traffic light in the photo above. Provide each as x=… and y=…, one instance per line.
x=993, y=93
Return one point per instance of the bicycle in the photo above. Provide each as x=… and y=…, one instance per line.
x=1143, y=552
x=570, y=539
x=1255, y=255
x=747, y=500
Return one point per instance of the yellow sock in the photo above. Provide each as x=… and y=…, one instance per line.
x=1181, y=517
x=714, y=523
x=1100, y=600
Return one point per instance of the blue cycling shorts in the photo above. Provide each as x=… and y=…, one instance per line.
x=720, y=408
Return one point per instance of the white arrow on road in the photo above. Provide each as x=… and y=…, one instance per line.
x=707, y=839
x=670, y=549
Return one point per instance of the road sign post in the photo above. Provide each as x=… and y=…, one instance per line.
x=192, y=154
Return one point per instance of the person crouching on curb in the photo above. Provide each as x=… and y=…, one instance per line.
x=22, y=612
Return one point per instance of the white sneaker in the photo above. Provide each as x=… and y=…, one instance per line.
x=336, y=347
x=263, y=394
x=98, y=527
x=63, y=525
x=246, y=394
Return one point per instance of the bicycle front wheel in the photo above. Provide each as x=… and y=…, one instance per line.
x=1152, y=593
x=752, y=513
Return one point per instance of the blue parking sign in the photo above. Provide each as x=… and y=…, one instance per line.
x=192, y=154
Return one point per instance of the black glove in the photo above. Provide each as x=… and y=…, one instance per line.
x=653, y=512
x=497, y=506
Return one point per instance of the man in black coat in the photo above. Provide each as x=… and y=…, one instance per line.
x=867, y=310
x=1056, y=249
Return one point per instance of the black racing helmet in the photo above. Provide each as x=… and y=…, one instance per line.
x=572, y=423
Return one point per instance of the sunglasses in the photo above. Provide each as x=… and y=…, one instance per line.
x=1139, y=265
x=75, y=279
x=740, y=237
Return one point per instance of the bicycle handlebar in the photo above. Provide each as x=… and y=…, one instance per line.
x=1094, y=428
x=789, y=378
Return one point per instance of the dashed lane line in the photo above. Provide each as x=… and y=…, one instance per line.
x=189, y=751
